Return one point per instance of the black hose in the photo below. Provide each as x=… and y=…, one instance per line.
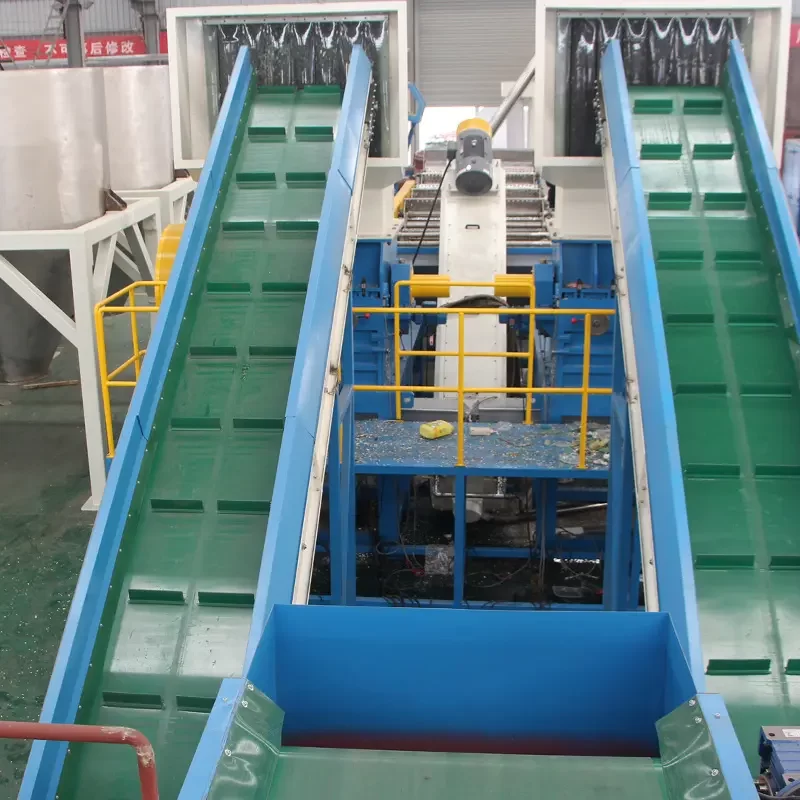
x=430, y=213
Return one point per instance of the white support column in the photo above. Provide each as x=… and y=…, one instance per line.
x=80, y=260
x=138, y=248
x=178, y=214
x=37, y=300
x=102, y=267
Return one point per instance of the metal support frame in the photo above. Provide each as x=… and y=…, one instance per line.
x=621, y=496
x=115, y=239
x=173, y=199
x=151, y=26
x=73, y=30
x=459, y=538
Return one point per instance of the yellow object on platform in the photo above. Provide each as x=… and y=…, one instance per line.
x=165, y=255
x=436, y=429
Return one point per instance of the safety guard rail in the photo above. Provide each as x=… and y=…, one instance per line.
x=108, y=380
x=93, y=734
x=518, y=286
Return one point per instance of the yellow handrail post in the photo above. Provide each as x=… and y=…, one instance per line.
x=531, y=341
x=103, y=358
x=398, y=400
x=460, y=461
x=587, y=343
x=134, y=332
x=107, y=378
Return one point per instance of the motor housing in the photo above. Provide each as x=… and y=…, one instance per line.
x=474, y=157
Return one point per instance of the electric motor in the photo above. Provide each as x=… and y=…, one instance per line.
x=474, y=156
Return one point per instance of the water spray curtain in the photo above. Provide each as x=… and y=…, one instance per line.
x=306, y=53
x=656, y=51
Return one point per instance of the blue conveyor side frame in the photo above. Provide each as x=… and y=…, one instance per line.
x=43, y=771
x=767, y=176
x=676, y=590
x=284, y=530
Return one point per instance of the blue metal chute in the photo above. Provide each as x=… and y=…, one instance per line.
x=665, y=481
x=295, y=465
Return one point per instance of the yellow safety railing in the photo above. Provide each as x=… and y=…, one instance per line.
x=436, y=286
x=108, y=380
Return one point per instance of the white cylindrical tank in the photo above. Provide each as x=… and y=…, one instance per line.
x=53, y=171
x=139, y=127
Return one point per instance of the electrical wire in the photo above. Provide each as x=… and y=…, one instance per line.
x=430, y=213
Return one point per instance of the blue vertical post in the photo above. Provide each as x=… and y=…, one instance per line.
x=459, y=538
x=619, y=519
x=389, y=508
x=335, y=502
x=636, y=566
x=348, y=467
x=341, y=479
x=546, y=513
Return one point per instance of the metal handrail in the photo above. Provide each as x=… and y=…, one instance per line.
x=429, y=286
x=94, y=734
x=107, y=379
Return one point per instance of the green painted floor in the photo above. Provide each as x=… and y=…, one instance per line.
x=733, y=360
x=44, y=481
x=391, y=775
x=178, y=615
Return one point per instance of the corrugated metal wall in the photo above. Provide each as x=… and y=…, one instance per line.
x=466, y=48
x=28, y=17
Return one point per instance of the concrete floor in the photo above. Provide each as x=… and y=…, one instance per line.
x=44, y=480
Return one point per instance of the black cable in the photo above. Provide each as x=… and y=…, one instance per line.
x=430, y=213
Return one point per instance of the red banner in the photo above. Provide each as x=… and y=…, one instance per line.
x=100, y=46
x=795, y=40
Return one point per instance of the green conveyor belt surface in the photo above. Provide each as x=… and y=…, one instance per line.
x=303, y=773
x=178, y=615
x=733, y=362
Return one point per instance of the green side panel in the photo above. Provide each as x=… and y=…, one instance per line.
x=254, y=766
x=733, y=360
x=688, y=756
x=178, y=614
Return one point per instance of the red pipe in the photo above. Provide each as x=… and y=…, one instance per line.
x=97, y=734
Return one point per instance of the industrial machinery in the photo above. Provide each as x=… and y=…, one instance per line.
x=271, y=501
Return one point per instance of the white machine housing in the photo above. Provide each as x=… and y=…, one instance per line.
x=472, y=247
x=193, y=69
x=581, y=201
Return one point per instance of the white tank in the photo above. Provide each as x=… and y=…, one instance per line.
x=139, y=127
x=53, y=171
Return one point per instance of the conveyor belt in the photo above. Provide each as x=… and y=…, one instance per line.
x=178, y=613
x=732, y=354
